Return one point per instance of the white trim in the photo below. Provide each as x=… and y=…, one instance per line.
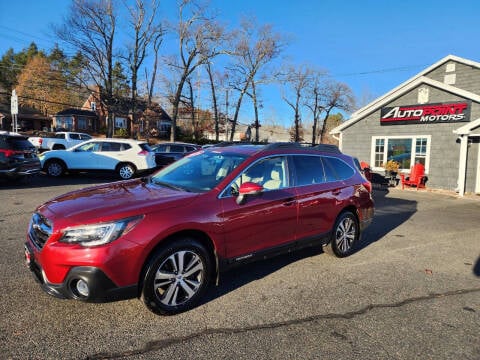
x=392, y=96
x=477, y=184
x=466, y=129
x=462, y=165
x=413, y=150
x=439, y=63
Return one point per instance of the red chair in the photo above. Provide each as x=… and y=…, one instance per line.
x=416, y=178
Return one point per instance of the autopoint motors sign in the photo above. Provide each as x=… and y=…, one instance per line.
x=426, y=113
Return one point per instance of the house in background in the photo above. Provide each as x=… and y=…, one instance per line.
x=28, y=119
x=151, y=121
x=76, y=120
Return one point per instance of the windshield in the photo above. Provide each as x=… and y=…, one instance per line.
x=199, y=172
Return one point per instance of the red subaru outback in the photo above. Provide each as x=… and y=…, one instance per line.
x=165, y=238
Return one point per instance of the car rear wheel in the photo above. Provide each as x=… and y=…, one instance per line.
x=344, y=235
x=54, y=168
x=126, y=171
x=177, y=277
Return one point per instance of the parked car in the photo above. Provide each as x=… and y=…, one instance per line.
x=126, y=157
x=58, y=141
x=167, y=153
x=167, y=237
x=18, y=158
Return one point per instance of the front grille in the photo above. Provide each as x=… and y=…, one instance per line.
x=40, y=230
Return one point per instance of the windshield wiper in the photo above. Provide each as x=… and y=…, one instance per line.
x=170, y=186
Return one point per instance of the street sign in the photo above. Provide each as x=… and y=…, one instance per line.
x=14, y=103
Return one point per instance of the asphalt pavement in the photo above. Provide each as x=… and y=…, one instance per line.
x=411, y=291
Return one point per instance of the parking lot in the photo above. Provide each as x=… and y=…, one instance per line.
x=411, y=291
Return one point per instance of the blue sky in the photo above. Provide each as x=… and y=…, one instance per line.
x=371, y=45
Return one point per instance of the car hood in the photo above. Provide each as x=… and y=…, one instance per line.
x=115, y=200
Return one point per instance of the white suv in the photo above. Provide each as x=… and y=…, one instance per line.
x=126, y=157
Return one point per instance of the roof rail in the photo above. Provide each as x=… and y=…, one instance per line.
x=327, y=148
x=283, y=145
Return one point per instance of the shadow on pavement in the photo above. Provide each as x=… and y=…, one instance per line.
x=390, y=213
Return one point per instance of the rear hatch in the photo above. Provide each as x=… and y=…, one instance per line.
x=17, y=155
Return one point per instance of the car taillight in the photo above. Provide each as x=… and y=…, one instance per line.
x=144, y=153
x=8, y=153
x=368, y=185
x=40, y=141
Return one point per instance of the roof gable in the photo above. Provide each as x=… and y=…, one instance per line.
x=408, y=85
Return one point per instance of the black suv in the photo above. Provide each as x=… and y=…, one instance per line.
x=18, y=157
x=167, y=153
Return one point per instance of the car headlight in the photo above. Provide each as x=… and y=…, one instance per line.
x=99, y=234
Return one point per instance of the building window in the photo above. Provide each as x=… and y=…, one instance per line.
x=379, y=151
x=82, y=123
x=120, y=123
x=64, y=123
x=421, y=150
x=406, y=150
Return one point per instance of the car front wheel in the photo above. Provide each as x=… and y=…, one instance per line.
x=126, y=171
x=54, y=168
x=344, y=235
x=177, y=277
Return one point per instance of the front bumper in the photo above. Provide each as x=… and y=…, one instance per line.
x=101, y=287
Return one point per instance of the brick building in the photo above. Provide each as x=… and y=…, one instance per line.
x=432, y=118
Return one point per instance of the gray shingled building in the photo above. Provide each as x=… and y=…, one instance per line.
x=432, y=118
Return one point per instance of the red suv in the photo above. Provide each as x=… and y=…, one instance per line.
x=165, y=238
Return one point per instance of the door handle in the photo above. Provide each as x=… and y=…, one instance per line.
x=289, y=202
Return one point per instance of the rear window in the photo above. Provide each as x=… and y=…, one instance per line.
x=336, y=169
x=18, y=143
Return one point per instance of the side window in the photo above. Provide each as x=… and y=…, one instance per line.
x=176, y=148
x=308, y=170
x=111, y=146
x=124, y=147
x=74, y=136
x=85, y=137
x=271, y=173
x=337, y=169
x=91, y=146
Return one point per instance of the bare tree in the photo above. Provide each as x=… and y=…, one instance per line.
x=297, y=79
x=338, y=96
x=314, y=99
x=214, y=99
x=145, y=31
x=255, y=47
x=198, y=39
x=90, y=28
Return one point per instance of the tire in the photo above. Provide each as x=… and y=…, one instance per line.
x=126, y=171
x=54, y=168
x=177, y=277
x=345, y=235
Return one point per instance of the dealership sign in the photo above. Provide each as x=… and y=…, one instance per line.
x=426, y=114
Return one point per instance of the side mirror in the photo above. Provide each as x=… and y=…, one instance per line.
x=246, y=189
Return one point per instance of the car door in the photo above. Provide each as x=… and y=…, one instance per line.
x=262, y=221
x=319, y=194
x=110, y=155
x=83, y=156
